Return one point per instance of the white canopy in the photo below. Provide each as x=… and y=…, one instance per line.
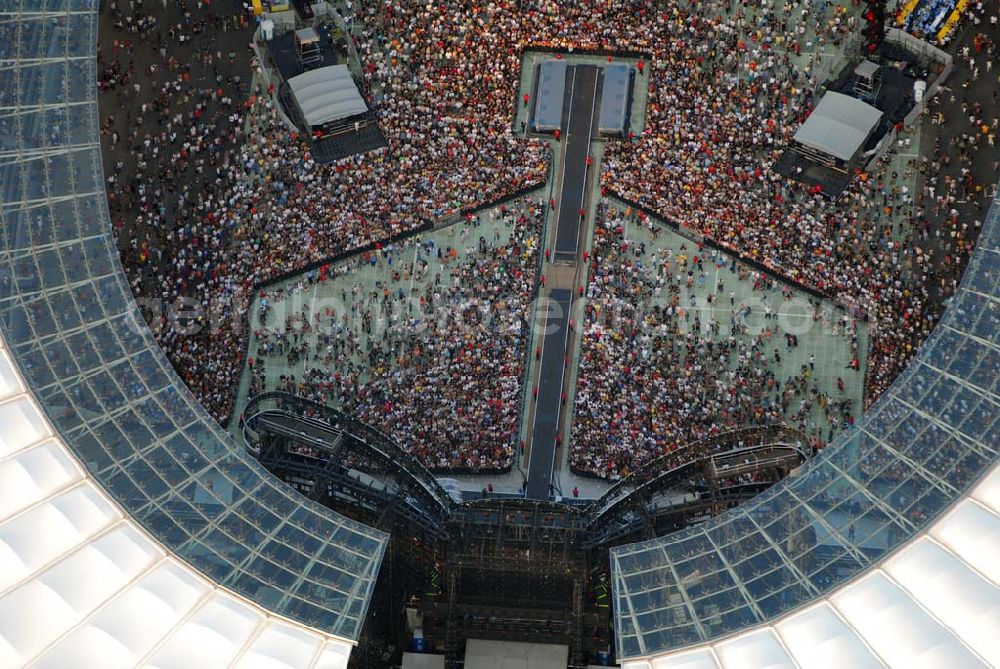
x=839, y=125
x=327, y=94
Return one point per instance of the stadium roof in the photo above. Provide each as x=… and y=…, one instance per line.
x=175, y=486
x=899, y=481
x=935, y=603
x=839, y=125
x=81, y=581
x=327, y=94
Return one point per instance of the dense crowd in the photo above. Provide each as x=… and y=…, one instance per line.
x=711, y=171
x=228, y=196
x=433, y=355
x=213, y=195
x=660, y=369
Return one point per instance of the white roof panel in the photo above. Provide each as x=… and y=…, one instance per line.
x=697, y=659
x=988, y=491
x=972, y=532
x=759, y=649
x=212, y=636
x=819, y=639
x=898, y=629
x=959, y=597
x=117, y=635
x=280, y=645
x=333, y=656
x=22, y=425
x=10, y=383
x=90, y=642
x=31, y=540
x=110, y=562
x=33, y=475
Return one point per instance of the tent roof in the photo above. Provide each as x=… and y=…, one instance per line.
x=839, y=125
x=327, y=94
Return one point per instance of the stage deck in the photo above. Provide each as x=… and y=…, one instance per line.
x=616, y=99
x=572, y=198
x=550, y=96
x=488, y=654
x=548, y=404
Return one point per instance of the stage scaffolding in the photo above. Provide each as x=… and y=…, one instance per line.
x=509, y=569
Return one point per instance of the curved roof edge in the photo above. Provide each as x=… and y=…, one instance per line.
x=91, y=366
x=934, y=603
x=901, y=478
x=80, y=579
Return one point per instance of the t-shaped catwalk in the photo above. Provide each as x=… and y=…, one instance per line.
x=581, y=118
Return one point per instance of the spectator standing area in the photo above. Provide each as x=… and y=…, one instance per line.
x=678, y=341
x=211, y=193
x=422, y=338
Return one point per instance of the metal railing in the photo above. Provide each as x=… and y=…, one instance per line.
x=730, y=442
x=328, y=417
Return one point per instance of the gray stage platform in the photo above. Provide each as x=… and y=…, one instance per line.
x=616, y=100
x=550, y=94
x=482, y=654
x=548, y=404
x=579, y=133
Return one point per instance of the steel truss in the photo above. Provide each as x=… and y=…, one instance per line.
x=501, y=568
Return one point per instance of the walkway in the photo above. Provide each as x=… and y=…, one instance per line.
x=572, y=198
x=549, y=404
x=556, y=357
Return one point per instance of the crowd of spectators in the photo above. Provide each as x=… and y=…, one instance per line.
x=711, y=171
x=433, y=353
x=213, y=194
x=660, y=369
x=217, y=195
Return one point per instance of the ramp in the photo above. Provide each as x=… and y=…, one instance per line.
x=572, y=198
x=548, y=404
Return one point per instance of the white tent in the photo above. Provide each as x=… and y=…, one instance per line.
x=327, y=94
x=839, y=125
